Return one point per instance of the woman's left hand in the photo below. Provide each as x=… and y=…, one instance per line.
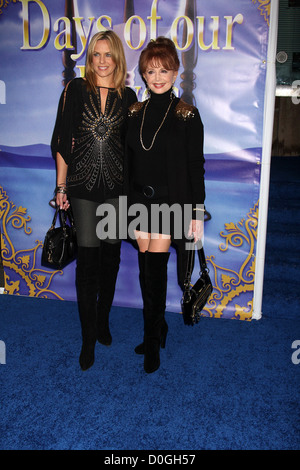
x=196, y=230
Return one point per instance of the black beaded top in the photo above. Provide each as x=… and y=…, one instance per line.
x=92, y=142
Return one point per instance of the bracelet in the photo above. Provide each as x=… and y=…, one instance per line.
x=60, y=190
x=198, y=209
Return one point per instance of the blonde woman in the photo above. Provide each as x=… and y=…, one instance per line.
x=88, y=144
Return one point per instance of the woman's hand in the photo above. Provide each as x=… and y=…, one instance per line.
x=196, y=230
x=62, y=201
x=61, y=198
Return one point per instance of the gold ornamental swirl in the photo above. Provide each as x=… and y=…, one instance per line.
x=264, y=6
x=4, y=4
x=230, y=285
x=21, y=271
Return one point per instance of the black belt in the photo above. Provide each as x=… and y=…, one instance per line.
x=151, y=191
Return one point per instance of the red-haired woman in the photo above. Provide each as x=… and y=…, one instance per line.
x=164, y=166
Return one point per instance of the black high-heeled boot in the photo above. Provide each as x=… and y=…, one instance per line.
x=156, y=265
x=87, y=286
x=108, y=268
x=140, y=349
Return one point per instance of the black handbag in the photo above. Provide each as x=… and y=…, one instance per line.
x=60, y=246
x=195, y=296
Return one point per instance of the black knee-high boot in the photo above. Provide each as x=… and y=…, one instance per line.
x=141, y=260
x=108, y=271
x=87, y=286
x=156, y=265
x=140, y=349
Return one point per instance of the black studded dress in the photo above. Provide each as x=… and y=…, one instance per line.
x=92, y=142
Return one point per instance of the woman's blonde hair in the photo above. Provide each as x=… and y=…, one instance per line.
x=117, y=54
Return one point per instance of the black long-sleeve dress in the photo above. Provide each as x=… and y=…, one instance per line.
x=172, y=171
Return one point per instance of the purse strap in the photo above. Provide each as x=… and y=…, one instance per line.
x=202, y=260
x=69, y=213
x=190, y=265
x=63, y=215
x=54, y=218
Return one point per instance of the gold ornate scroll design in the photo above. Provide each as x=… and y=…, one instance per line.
x=22, y=262
x=264, y=7
x=229, y=285
x=4, y=4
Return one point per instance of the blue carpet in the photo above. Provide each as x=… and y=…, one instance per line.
x=282, y=262
x=223, y=384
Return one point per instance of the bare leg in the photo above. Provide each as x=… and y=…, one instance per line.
x=154, y=242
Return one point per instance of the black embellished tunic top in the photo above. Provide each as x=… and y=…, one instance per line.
x=91, y=142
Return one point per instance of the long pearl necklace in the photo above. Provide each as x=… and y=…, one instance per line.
x=142, y=125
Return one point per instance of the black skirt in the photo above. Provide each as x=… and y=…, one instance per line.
x=148, y=211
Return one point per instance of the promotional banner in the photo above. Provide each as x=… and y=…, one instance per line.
x=222, y=47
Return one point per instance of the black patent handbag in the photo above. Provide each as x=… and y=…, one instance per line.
x=60, y=245
x=195, y=296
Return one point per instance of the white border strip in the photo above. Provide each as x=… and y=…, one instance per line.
x=269, y=106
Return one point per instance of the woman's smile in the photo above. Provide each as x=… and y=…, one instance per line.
x=159, y=79
x=103, y=63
